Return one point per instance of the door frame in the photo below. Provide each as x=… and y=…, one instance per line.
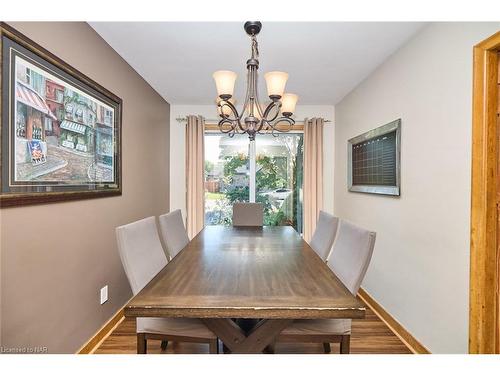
x=484, y=254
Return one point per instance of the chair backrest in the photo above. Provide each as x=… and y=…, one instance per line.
x=351, y=254
x=173, y=232
x=248, y=214
x=140, y=251
x=326, y=229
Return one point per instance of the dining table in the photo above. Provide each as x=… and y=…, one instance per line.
x=225, y=274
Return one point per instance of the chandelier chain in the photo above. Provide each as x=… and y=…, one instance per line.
x=255, y=47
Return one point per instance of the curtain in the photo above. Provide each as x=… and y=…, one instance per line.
x=195, y=192
x=313, y=174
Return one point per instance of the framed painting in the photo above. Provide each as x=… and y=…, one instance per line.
x=60, y=131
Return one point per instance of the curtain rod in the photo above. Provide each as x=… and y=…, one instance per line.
x=210, y=121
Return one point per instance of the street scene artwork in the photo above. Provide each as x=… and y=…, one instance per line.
x=60, y=130
x=63, y=135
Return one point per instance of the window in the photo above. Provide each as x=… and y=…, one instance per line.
x=226, y=176
x=69, y=111
x=60, y=114
x=48, y=124
x=79, y=115
x=108, y=117
x=279, y=178
x=21, y=120
x=59, y=96
x=276, y=181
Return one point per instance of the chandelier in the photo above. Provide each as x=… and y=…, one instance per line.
x=276, y=117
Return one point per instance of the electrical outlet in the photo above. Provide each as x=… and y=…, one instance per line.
x=104, y=294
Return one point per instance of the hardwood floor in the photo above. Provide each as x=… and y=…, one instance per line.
x=369, y=336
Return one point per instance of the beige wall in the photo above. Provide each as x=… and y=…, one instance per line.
x=177, y=148
x=55, y=258
x=420, y=266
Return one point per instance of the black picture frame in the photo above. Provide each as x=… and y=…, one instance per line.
x=60, y=135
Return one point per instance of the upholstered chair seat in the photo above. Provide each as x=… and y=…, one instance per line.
x=175, y=327
x=319, y=326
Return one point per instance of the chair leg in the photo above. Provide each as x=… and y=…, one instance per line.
x=213, y=346
x=142, y=344
x=327, y=348
x=164, y=344
x=345, y=344
x=270, y=349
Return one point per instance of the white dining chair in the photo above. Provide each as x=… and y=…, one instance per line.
x=173, y=232
x=351, y=254
x=349, y=259
x=143, y=257
x=322, y=239
x=248, y=214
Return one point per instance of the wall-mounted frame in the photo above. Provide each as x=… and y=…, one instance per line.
x=60, y=131
x=374, y=161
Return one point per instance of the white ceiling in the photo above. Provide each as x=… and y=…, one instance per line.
x=325, y=60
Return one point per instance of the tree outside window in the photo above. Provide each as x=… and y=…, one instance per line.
x=278, y=177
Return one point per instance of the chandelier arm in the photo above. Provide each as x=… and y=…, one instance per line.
x=241, y=116
x=290, y=121
x=235, y=122
x=264, y=119
x=234, y=111
x=268, y=110
x=257, y=101
x=264, y=122
x=251, y=92
x=225, y=121
x=247, y=95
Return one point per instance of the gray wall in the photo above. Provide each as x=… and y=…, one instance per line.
x=51, y=272
x=420, y=266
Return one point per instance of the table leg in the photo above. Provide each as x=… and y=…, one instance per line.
x=255, y=341
x=246, y=324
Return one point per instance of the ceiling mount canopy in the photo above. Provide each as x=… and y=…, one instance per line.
x=254, y=118
x=252, y=27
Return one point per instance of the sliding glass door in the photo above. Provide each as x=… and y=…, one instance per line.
x=268, y=171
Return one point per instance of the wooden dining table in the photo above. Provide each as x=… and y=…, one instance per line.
x=269, y=274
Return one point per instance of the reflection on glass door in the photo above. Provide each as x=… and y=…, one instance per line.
x=278, y=177
x=226, y=176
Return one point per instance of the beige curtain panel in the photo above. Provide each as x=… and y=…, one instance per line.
x=195, y=192
x=313, y=174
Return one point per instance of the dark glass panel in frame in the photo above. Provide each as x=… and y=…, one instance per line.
x=374, y=160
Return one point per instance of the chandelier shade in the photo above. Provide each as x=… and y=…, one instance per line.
x=225, y=80
x=254, y=118
x=288, y=103
x=276, y=82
